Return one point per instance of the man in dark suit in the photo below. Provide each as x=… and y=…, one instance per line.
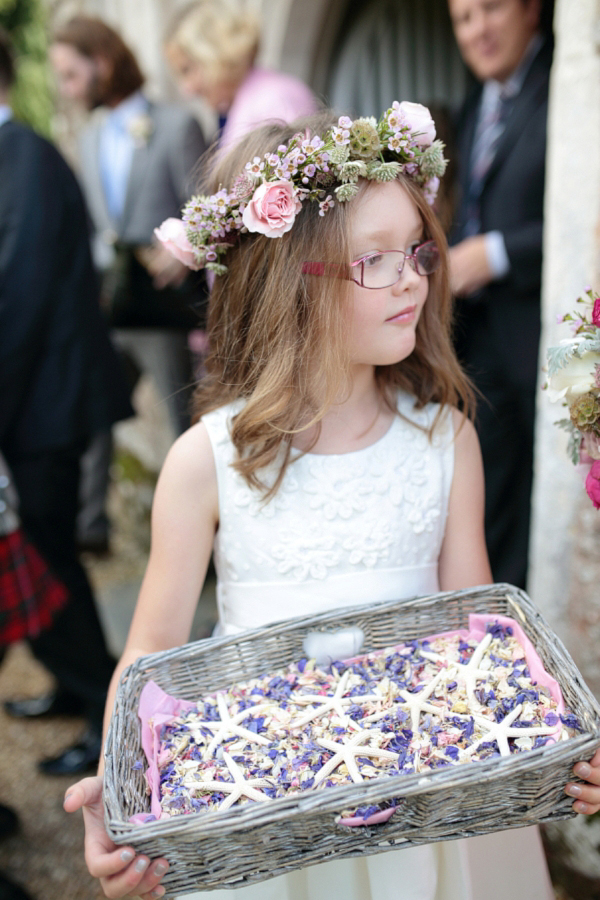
x=60, y=383
x=496, y=259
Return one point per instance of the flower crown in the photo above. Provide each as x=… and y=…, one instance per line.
x=574, y=378
x=269, y=193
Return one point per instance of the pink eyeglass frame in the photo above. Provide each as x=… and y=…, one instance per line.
x=339, y=270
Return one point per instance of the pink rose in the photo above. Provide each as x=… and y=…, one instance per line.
x=596, y=312
x=172, y=235
x=592, y=483
x=272, y=209
x=418, y=118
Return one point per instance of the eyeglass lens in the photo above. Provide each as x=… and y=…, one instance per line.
x=384, y=269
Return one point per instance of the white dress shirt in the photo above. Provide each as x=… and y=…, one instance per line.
x=5, y=113
x=117, y=146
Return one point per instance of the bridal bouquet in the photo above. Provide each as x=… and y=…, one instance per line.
x=574, y=378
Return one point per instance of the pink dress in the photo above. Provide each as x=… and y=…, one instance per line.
x=266, y=96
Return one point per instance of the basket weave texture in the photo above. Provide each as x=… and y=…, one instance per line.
x=257, y=841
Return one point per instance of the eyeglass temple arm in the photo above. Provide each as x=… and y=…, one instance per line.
x=333, y=270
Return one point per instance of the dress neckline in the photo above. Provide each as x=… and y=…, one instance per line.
x=347, y=453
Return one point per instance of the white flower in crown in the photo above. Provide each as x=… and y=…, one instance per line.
x=141, y=128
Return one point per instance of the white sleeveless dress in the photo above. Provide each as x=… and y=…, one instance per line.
x=346, y=529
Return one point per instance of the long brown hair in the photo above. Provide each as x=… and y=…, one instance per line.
x=278, y=337
x=93, y=38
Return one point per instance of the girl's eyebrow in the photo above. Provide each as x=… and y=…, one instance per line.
x=384, y=235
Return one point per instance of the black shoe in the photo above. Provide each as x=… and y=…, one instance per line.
x=56, y=703
x=9, y=823
x=99, y=546
x=79, y=759
x=11, y=891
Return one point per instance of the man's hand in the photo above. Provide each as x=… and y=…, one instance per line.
x=166, y=271
x=121, y=872
x=469, y=267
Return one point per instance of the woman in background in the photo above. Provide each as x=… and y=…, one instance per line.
x=212, y=47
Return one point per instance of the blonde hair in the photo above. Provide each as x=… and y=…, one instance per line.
x=278, y=338
x=222, y=35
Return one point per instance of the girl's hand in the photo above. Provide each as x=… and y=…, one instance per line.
x=121, y=872
x=588, y=795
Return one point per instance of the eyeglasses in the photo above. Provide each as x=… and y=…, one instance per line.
x=380, y=269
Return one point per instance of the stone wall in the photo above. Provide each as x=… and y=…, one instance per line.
x=565, y=564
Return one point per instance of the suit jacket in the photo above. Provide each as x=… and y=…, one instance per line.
x=512, y=202
x=163, y=172
x=60, y=380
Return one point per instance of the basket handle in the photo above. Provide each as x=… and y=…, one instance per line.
x=328, y=646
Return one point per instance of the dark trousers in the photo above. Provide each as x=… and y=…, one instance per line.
x=73, y=649
x=505, y=425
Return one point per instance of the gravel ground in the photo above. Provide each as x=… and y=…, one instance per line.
x=46, y=856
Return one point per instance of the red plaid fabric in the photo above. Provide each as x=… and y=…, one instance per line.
x=30, y=595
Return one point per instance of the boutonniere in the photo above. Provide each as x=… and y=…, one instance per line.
x=140, y=128
x=574, y=379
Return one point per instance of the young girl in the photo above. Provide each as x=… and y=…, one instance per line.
x=329, y=465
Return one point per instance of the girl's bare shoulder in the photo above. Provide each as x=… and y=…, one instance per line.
x=190, y=462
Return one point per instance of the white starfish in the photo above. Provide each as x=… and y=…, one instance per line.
x=330, y=703
x=228, y=725
x=501, y=731
x=416, y=703
x=239, y=787
x=347, y=753
x=470, y=673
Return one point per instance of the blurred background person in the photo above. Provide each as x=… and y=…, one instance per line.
x=60, y=383
x=137, y=162
x=212, y=46
x=496, y=260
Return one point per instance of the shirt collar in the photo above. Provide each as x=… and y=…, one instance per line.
x=129, y=108
x=5, y=113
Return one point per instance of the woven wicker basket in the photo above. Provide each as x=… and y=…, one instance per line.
x=257, y=841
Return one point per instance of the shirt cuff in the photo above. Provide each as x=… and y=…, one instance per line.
x=497, y=257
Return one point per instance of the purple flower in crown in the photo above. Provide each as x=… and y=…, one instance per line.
x=326, y=204
x=255, y=167
x=430, y=189
x=395, y=118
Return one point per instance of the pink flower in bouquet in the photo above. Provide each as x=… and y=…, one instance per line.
x=272, y=209
x=596, y=312
x=172, y=235
x=418, y=118
x=592, y=483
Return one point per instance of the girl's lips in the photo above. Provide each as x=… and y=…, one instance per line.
x=405, y=315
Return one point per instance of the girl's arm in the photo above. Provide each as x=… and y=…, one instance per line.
x=184, y=520
x=463, y=560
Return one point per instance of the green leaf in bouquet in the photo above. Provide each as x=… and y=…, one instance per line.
x=575, y=439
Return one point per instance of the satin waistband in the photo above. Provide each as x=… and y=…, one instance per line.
x=244, y=605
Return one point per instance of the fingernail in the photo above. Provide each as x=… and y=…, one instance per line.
x=574, y=790
x=157, y=892
x=580, y=807
x=582, y=769
x=160, y=869
x=127, y=855
x=141, y=865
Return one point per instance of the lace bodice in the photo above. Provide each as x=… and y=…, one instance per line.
x=342, y=529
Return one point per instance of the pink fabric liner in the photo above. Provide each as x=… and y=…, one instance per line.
x=156, y=708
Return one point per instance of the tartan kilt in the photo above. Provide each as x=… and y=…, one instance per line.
x=30, y=595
